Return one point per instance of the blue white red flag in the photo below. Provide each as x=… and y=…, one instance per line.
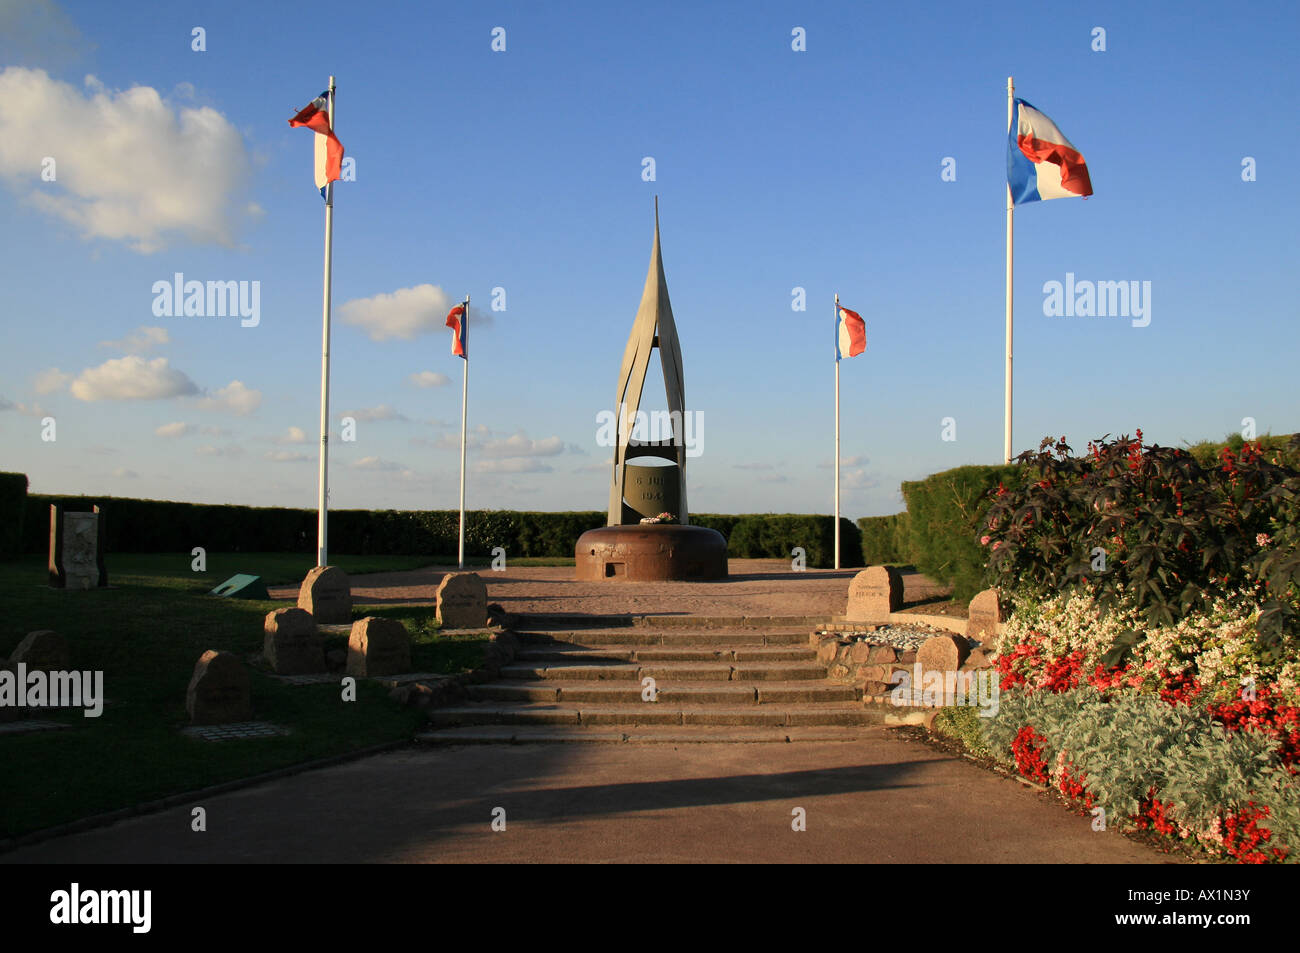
x=459, y=331
x=1041, y=163
x=850, y=333
x=329, y=151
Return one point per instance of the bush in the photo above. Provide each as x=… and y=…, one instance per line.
x=772, y=536
x=1152, y=527
x=944, y=512
x=1150, y=763
x=886, y=539
x=13, y=509
x=153, y=526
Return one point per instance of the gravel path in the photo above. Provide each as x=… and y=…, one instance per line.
x=756, y=587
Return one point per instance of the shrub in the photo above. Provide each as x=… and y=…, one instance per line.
x=944, y=512
x=886, y=539
x=1139, y=757
x=1173, y=534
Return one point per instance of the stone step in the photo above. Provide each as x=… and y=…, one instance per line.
x=674, y=692
x=648, y=713
x=559, y=652
x=720, y=638
x=694, y=671
x=681, y=734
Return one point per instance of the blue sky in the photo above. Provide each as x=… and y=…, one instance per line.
x=522, y=170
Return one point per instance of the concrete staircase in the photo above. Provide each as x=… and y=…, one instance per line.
x=674, y=682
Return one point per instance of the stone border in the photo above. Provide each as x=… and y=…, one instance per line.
x=954, y=625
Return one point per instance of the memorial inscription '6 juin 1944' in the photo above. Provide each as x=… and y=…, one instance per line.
x=628, y=548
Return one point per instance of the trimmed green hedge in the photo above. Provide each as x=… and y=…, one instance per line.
x=13, y=510
x=154, y=526
x=945, y=512
x=886, y=539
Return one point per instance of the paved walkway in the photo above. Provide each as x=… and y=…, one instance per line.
x=884, y=800
x=756, y=587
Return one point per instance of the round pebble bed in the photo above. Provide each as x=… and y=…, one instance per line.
x=899, y=636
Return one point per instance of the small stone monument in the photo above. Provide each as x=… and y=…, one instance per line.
x=43, y=651
x=327, y=594
x=76, y=549
x=462, y=601
x=378, y=646
x=219, y=691
x=942, y=653
x=874, y=593
x=984, y=616
x=293, y=645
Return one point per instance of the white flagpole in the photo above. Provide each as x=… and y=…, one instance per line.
x=464, y=403
x=837, y=434
x=322, y=499
x=1011, y=209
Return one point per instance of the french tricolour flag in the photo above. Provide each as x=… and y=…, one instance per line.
x=850, y=334
x=459, y=331
x=329, y=151
x=1041, y=162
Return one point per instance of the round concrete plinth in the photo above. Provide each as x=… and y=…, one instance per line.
x=650, y=552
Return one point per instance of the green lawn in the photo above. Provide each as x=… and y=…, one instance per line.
x=145, y=633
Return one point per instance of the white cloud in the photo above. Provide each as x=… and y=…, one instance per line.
x=518, y=445
x=132, y=378
x=286, y=456
x=404, y=313
x=124, y=473
x=139, y=341
x=175, y=429
x=208, y=450
x=375, y=463
x=292, y=435
x=130, y=166
x=48, y=381
x=512, y=465
x=429, y=379
x=844, y=462
x=382, y=412
x=235, y=398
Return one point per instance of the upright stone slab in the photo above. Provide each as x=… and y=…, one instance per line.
x=984, y=616
x=874, y=593
x=76, y=549
x=293, y=645
x=942, y=653
x=378, y=647
x=219, y=691
x=43, y=651
x=327, y=594
x=462, y=601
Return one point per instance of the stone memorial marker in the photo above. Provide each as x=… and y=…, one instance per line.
x=76, y=549
x=462, y=601
x=219, y=691
x=984, y=616
x=874, y=593
x=378, y=647
x=293, y=645
x=942, y=653
x=43, y=651
x=327, y=594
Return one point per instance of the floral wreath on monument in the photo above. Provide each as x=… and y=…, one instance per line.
x=661, y=518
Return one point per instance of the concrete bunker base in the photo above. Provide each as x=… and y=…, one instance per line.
x=650, y=552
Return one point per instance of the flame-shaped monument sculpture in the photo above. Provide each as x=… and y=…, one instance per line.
x=628, y=548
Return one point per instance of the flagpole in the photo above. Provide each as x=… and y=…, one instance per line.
x=837, y=434
x=322, y=499
x=464, y=403
x=1011, y=209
